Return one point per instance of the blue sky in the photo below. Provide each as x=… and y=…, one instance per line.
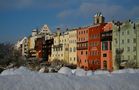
x=19, y=17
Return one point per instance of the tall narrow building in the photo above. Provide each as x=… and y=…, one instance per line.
x=60, y=47
x=106, y=47
x=82, y=47
x=94, y=42
x=73, y=46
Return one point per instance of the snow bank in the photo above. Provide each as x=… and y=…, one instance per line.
x=101, y=72
x=126, y=71
x=24, y=79
x=15, y=71
x=77, y=72
x=65, y=70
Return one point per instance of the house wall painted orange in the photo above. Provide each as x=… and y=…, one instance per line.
x=106, y=47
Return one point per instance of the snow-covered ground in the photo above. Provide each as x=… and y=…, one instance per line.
x=67, y=79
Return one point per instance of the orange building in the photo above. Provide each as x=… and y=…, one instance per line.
x=106, y=47
x=82, y=48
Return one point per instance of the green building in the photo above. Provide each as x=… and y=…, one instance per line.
x=125, y=45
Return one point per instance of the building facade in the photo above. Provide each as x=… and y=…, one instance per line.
x=22, y=46
x=72, y=46
x=60, y=48
x=39, y=48
x=125, y=46
x=36, y=39
x=106, y=47
x=94, y=42
x=82, y=48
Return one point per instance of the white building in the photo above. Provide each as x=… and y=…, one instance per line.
x=22, y=46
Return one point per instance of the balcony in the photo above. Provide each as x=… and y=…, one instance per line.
x=82, y=48
x=78, y=42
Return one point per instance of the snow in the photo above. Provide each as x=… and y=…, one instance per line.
x=14, y=71
x=67, y=79
x=101, y=72
x=126, y=71
x=65, y=70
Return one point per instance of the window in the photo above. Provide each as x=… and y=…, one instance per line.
x=128, y=57
x=134, y=48
x=122, y=41
x=105, y=64
x=85, y=61
x=86, y=44
x=61, y=48
x=92, y=61
x=128, y=48
x=74, y=49
x=127, y=32
x=86, y=52
x=104, y=45
x=105, y=55
x=70, y=49
x=115, y=40
x=70, y=59
x=81, y=52
x=74, y=58
x=128, y=41
x=134, y=40
x=122, y=33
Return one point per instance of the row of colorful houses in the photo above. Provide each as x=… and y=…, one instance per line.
x=102, y=45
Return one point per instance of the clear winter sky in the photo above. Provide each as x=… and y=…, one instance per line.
x=19, y=17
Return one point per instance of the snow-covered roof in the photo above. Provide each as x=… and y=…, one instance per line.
x=45, y=29
x=20, y=42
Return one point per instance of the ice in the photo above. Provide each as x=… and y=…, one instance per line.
x=24, y=79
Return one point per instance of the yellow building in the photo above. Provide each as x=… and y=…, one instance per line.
x=72, y=47
x=60, y=48
x=31, y=43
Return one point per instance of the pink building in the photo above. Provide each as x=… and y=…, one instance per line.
x=82, y=48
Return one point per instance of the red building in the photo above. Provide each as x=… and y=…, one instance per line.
x=82, y=48
x=39, y=47
x=106, y=48
x=94, y=42
x=43, y=48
